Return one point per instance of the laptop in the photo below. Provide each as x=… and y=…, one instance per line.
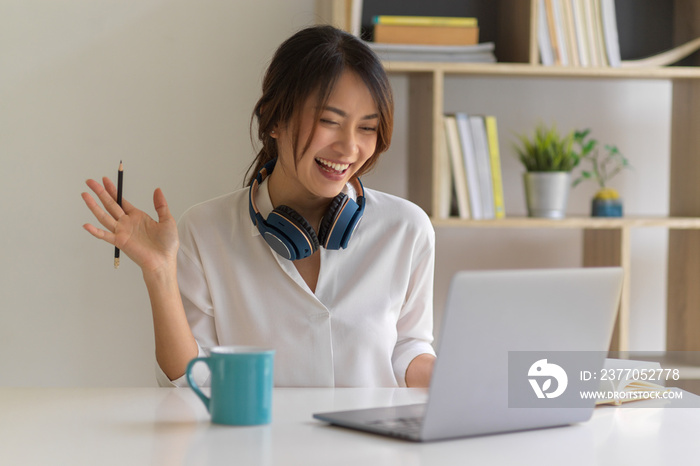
x=491, y=317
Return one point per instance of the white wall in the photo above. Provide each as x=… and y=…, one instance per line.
x=168, y=86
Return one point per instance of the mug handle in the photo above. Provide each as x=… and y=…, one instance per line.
x=191, y=382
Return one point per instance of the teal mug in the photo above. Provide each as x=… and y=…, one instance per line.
x=241, y=385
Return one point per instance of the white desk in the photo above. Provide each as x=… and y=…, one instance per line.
x=140, y=426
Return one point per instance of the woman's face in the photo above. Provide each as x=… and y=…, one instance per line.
x=344, y=139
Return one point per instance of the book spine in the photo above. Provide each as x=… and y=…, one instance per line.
x=552, y=28
x=593, y=53
x=481, y=150
x=570, y=28
x=446, y=186
x=600, y=40
x=581, y=39
x=426, y=35
x=496, y=175
x=458, y=171
x=470, y=167
x=425, y=21
x=612, y=42
x=562, y=37
x=545, y=44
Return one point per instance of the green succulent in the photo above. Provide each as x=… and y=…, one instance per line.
x=547, y=151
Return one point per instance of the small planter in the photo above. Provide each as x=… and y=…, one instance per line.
x=547, y=193
x=606, y=203
x=606, y=207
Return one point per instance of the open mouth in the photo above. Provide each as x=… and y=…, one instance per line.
x=332, y=167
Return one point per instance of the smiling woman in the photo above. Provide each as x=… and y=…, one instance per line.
x=336, y=146
x=305, y=68
x=338, y=279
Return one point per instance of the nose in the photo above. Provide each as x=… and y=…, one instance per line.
x=347, y=142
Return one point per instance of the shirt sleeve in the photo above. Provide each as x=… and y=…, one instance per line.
x=415, y=323
x=199, y=371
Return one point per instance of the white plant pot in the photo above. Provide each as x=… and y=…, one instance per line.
x=547, y=193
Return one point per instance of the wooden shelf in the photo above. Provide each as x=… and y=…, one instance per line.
x=671, y=223
x=527, y=70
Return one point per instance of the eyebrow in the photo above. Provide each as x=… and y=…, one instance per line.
x=344, y=114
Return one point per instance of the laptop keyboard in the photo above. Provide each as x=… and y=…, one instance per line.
x=402, y=426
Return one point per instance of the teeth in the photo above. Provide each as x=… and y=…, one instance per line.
x=339, y=167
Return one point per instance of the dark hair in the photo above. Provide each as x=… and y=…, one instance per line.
x=311, y=61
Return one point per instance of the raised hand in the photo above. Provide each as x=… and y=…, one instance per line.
x=151, y=244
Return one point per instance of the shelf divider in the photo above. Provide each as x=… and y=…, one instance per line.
x=608, y=248
x=425, y=91
x=683, y=291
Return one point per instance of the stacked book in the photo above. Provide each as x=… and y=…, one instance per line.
x=578, y=33
x=425, y=30
x=481, y=53
x=471, y=168
x=429, y=38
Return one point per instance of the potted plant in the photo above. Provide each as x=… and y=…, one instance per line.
x=548, y=159
x=604, y=166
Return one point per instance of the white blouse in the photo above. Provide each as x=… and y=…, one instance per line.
x=372, y=312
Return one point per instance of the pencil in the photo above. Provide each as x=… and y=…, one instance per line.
x=120, y=187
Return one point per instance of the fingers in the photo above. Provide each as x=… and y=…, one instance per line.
x=109, y=203
x=100, y=234
x=161, y=205
x=103, y=217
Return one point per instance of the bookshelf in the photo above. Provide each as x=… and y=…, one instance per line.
x=606, y=242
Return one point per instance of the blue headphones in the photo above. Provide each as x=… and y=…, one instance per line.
x=291, y=236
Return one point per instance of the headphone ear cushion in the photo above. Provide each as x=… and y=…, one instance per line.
x=329, y=219
x=300, y=222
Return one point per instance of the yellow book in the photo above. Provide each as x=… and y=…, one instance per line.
x=495, y=158
x=425, y=21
